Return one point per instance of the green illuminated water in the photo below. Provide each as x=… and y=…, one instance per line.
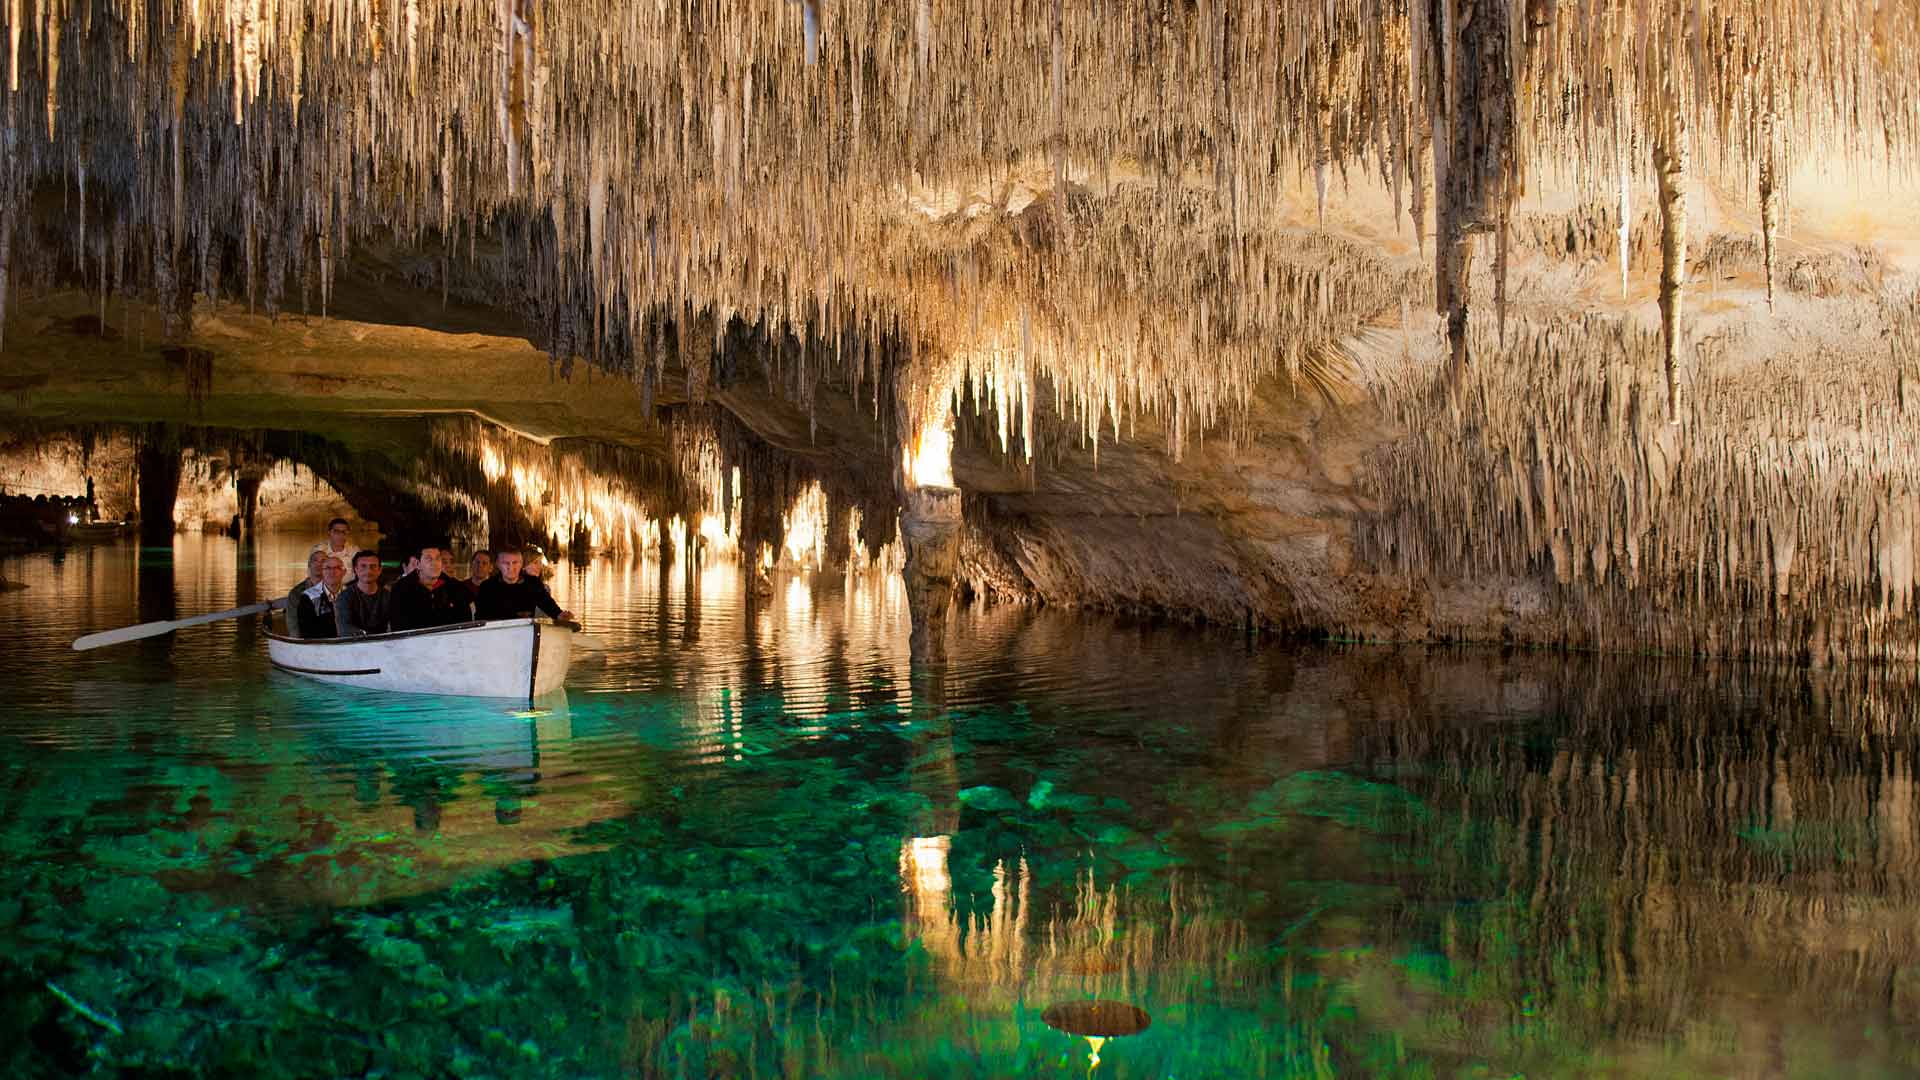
x=748, y=842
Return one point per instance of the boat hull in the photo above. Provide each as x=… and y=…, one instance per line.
x=507, y=658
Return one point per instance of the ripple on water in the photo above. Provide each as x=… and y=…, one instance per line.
x=756, y=841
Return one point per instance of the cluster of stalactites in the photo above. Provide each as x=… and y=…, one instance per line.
x=746, y=494
x=1778, y=516
x=745, y=158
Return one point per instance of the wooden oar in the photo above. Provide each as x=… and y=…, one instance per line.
x=155, y=629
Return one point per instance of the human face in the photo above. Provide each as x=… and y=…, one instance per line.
x=510, y=567
x=367, y=572
x=336, y=536
x=314, y=562
x=330, y=573
x=429, y=563
x=482, y=566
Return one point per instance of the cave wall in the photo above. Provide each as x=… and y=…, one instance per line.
x=1540, y=496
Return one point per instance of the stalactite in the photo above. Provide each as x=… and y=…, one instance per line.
x=1625, y=227
x=702, y=156
x=1670, y=156
x=16, y=22
x=1769, y=202
x=6, y=255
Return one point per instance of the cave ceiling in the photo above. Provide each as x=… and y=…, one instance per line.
x=1139, y=212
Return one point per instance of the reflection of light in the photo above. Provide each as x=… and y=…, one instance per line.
x=1093, y=1055
x=73, y=519
x=929, y=855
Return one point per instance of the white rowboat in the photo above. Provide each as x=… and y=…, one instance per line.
x=505, y=658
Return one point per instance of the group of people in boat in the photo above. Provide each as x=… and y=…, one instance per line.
x=343, y=597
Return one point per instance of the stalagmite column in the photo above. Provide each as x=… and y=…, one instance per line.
x=247, y=487
x=1769, y=201
x=930, y=527
x=1670, y=168
x=159, y=483
x=1468, y=78
x=6, y=260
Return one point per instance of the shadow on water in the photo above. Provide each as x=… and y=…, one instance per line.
x=155, y=588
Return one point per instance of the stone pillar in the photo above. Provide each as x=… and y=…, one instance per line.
x=159, y=484
x=930, y=528
x=247, y=487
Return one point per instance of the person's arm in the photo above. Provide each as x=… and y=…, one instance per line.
x=544, y=600
x=486, y=601
x=343, y=613
x=400, y=608
x=307, y=617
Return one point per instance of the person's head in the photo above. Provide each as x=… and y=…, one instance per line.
x=337, y=532
x=314, y=561
x=429, y=567
x=330, y=572
x=534, y=563
x=509, y=563
x=480, y=567
x=366, y=569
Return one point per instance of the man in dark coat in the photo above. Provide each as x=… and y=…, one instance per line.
x=428, y=598
x=509, y=594
x=314, y=613
x=316, y=559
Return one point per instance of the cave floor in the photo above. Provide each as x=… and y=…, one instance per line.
x=748, y=840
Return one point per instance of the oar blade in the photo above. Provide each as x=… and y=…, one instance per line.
x=155, y=629
x=123, y=634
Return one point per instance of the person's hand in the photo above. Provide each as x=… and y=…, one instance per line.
x=566, y=616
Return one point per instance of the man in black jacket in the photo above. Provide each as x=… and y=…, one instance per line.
x=428, y=598
x=510, y=595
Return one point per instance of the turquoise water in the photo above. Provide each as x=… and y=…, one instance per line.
x=747, y=841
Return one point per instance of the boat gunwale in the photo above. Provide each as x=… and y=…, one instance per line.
x=397, y=635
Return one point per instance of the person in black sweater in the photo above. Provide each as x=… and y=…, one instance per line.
x=363, y=606
x=508, y=594
x=315, y=610
x=427, y=598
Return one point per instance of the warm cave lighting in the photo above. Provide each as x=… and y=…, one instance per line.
x=929, y=461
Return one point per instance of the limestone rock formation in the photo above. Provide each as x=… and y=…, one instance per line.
x=1167, y=264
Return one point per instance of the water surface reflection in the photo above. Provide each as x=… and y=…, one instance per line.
x=749, y=840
